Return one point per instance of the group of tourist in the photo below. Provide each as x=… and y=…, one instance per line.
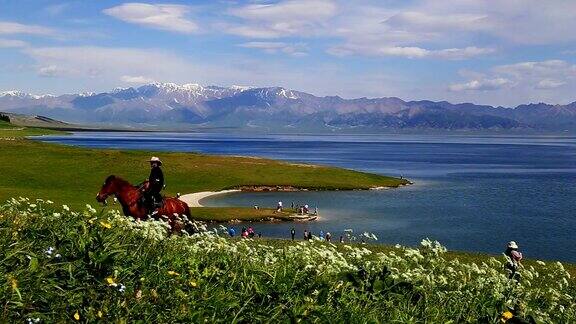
x=245, y=233
x=308, y=235
x=512, y=253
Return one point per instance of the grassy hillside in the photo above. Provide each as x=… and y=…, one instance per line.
x=73, y=175
x=58, y=265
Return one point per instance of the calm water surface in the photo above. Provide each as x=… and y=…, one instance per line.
x=471, y=193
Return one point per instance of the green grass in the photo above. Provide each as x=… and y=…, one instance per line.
x=14, y=131
x=225, y=214
x=4, y=124
x=73, y=175
x=63, y=266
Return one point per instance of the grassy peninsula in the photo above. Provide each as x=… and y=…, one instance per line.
x=72, y=175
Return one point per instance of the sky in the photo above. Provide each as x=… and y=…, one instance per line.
x=487, y=52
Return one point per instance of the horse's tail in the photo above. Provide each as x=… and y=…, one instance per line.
x=186, y=209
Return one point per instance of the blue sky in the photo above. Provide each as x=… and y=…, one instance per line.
x=499, y=53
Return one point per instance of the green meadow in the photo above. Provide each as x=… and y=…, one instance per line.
x=64, y=265
x=73, y=175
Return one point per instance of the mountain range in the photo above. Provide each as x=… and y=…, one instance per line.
x=277, y=108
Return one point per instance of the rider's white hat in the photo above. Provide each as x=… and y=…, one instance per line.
x=155, y=159
x=512, y=245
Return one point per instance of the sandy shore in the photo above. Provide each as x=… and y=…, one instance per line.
x=193, y=199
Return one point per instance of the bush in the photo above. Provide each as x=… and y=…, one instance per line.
x=62, y=265
x=4, y=118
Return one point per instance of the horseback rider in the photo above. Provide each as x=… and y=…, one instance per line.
x=155, y=184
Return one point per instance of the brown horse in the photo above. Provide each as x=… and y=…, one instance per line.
x=130, y=198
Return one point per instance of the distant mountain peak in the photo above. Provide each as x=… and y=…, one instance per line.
x=280, y=108
x=23, y=95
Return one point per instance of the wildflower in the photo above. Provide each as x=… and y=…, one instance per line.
x=14, y=283
x=193, y=284
x=110, y=281
x=49, y=251
x=173, y=273
x=506, y=316
x=65, y=207
x=56, y=214
x=90, y=209
x=106, y=225
x=57, y=256
x=77, y=316
x=50, y=202
x=32, y=205
x=32, y=320
x=99, y=314
x=122, y=288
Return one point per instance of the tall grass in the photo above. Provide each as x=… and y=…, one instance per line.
x=62, y=265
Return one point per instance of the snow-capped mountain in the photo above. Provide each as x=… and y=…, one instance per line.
x=277, y=108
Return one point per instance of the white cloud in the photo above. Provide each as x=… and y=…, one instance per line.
x=542, y=75
x=160, y=16
x=12, y=43
x=538, y=69
x=552, y=81
x=411, y=52
x=462, y=53
x=298, y=49
x=421, y=21
x=8, y=28
x=50, y=71
x=549, y=84
x=481, y=85
x=288, y=10
x=281, y=19
x=136, y=79
x=108, y=64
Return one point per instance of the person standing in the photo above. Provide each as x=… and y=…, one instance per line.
x=292, y=233
x=279, y=207
x=305, y=234
x=514, y=258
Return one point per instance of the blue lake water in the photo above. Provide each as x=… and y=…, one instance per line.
x=472, y=193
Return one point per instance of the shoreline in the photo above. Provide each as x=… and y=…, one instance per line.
x=193, y=199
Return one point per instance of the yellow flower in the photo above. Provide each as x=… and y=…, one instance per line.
x=14, y=283
x=110, y=281
x=506, y=316
x=173, y=273
x=99, y=314
x=193, y=284
x=106, y=225
x=77, y=316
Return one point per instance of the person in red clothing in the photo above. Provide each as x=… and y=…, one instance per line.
x=514, y=259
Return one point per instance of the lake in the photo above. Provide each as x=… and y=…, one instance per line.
x=471, y=193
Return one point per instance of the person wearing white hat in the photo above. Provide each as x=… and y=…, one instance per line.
x=513, y=257
x=155, y=184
